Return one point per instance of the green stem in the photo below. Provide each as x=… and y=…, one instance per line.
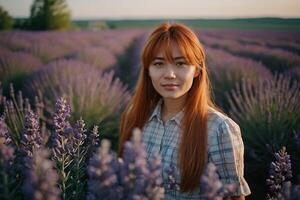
x=77, y=171
x=63, y=184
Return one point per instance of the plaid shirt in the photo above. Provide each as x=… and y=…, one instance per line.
x=225, y=150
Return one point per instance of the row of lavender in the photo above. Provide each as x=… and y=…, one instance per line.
x=279, y=51
x=23, y=53
x=80, y=65
x=68, y=163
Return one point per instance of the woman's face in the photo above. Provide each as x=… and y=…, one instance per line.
x=172, y=80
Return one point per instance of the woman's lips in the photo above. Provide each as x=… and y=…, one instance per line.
x=170, y=87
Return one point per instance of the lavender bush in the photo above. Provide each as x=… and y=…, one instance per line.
x=15, y=108
x=227, y=70
x=129, y=64
x=15, y=67
x=94, y=95
x=99, y=57
x=68, y=176
x=268, y=114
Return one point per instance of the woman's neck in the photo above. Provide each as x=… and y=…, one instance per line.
x=172, y=106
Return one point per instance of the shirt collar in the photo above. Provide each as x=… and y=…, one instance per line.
x=157, y=110
x=157, y=113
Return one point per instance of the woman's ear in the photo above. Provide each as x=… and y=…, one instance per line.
x=197, y=71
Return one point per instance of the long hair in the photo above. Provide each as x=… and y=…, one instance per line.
x=192, y=152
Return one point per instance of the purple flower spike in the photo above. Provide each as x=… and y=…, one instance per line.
x=102, y=172
x=32, y=138
x=6, y=151
x=41, y=179
x=62, y=138
x=280, y=172
x=211, y=188
x=173, y=185
x=62, y=143
x=62, y=113
x=4, y=135
x=79, y=132
x=137, y=174
x=94, y=137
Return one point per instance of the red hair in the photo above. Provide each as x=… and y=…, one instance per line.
x=192, y=153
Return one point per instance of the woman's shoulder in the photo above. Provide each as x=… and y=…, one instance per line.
x=220, y=123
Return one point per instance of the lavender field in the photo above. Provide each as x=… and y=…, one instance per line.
x=62, y=93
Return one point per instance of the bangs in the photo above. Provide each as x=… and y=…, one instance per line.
x=164, y=42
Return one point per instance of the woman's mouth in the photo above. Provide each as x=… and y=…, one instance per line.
x=170, y=87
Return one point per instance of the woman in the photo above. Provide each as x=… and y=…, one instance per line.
x=173, y=107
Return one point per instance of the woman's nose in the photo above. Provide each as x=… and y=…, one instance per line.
x=170, y=72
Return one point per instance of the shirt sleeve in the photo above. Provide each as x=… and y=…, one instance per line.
x=226, y=151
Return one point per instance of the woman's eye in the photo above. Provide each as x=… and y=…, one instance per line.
x=180, y=64
x=158, y=64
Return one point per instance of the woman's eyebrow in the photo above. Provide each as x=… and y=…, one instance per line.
x=175, y=58
x=159, y=58
x=180, y=57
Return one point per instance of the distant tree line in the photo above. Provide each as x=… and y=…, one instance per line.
x=5, y=19
x=44, y=15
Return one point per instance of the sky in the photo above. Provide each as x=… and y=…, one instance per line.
x=143, y=9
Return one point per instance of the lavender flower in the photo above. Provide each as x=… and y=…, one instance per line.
x=102, y=171
x=31, y=138
x=78, y=164
x=94, y=137
x=41, y=180
x=280, y=172
x=62, y=136
x=63, y=143
x=4, y=135
x=79, y=133
x=155, y=188
x=6, y=150
x=131, y=178
x=135, y=171
x=7, y=153
x=211, y=188
x=172, y=184
x=93, y=142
